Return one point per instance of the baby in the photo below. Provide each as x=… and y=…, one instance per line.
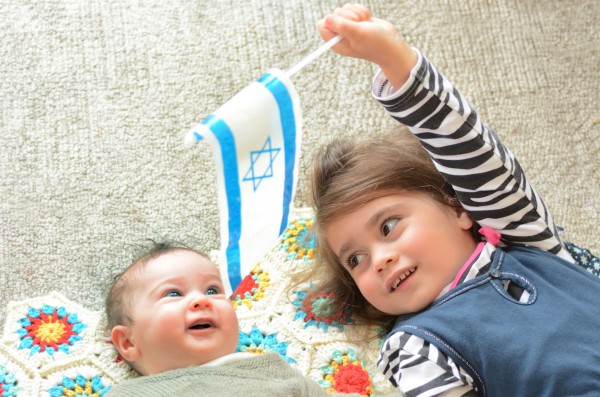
x=172, y=322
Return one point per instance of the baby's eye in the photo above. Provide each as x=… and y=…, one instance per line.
x=388, y=225
x=212, y=291
x=173, y=293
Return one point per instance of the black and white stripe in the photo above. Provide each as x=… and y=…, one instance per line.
x=491, y=186
x=486, y=175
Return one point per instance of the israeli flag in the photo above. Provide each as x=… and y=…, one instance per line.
x=255, y=138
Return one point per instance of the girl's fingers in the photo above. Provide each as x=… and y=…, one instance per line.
x=361, y=12
x=345, y=13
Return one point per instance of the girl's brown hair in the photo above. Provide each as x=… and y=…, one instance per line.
x=346, y=175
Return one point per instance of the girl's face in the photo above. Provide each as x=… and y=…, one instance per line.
x=402, y=249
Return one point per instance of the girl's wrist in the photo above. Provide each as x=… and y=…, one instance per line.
x=398, y=65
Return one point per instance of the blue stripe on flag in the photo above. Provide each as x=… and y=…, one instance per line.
x=230, y=171
x=288, y=126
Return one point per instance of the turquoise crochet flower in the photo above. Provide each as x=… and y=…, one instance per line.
x=80, y=387
x=258, y=343
x=319, y=311
x=8, y=383
x=298, y=241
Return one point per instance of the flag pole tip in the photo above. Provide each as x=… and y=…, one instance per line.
x=191, y=138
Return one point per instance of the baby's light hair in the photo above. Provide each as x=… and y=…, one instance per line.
x=118, y=301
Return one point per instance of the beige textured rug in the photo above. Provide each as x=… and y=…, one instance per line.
x=95, y=98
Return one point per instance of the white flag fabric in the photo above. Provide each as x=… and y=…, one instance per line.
x=255, y=138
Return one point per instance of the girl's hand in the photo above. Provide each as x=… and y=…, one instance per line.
x=371, y=39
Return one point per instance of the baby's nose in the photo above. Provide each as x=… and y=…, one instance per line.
x=201, y=301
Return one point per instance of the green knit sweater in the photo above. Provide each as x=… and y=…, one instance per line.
x=263, y=375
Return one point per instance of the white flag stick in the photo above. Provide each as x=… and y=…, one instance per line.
x=193, y=136
x=312, y=56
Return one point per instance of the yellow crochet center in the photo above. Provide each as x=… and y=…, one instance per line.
x=50, y=331
x=81, y=391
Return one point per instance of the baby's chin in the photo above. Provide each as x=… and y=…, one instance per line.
x=210, y=358
x=179, y=363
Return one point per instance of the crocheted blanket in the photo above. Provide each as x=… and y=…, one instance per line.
x=52, y=346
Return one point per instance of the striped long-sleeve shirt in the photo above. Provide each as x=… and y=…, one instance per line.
x=491, y=186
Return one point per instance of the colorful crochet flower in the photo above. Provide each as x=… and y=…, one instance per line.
x=8, y=383
x=80, y=387
x=297, y=241
x=319, y=311
x=346, y=374
x=49, y=329
x=259, y=343
x=252, y=288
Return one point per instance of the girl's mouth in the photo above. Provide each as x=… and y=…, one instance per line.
x=402, y=277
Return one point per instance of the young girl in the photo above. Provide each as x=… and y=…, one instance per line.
x=454, y=253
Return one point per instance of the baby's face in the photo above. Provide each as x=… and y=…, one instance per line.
x=181, y=315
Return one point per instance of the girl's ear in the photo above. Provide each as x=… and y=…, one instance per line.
x=123, y=341
x=464, y=219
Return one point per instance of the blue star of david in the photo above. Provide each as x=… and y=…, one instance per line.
x=261, y=164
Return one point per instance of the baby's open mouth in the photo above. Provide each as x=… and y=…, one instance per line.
x=201, y=325
x=402, y=277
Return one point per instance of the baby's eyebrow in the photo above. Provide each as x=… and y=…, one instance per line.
x=174, y=281
x=214, y=278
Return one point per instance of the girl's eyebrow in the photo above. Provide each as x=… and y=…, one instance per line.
x=380, y=214
x=345, y=248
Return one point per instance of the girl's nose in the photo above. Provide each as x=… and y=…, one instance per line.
x=201, y=301
x=383, y=257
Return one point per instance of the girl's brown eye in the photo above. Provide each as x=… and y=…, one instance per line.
x=388, y=225
x=353, y=261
